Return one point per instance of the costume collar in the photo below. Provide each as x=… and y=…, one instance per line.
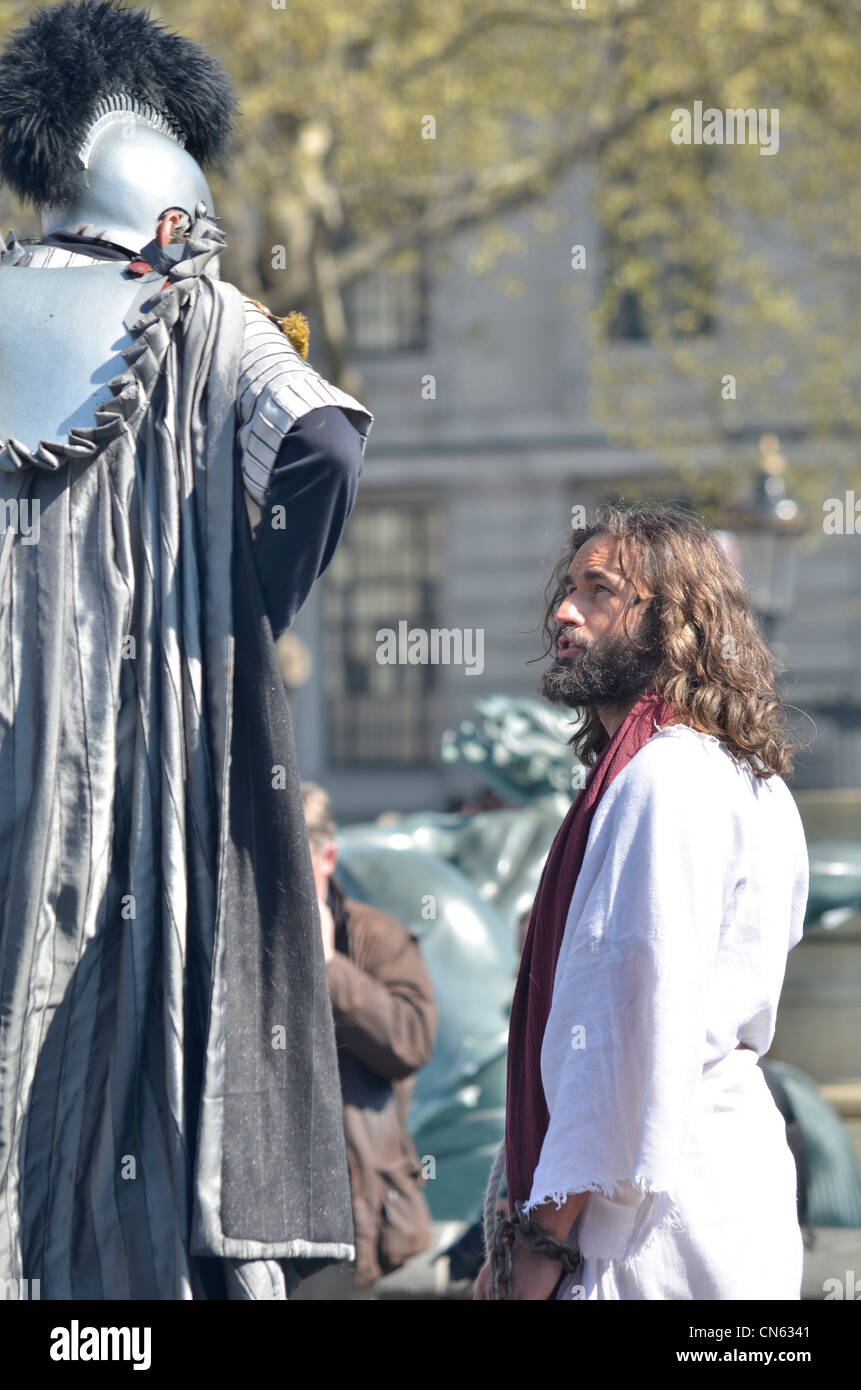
x=99, y=249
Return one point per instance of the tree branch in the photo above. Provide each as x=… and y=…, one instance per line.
x=491, y=194
x=495, y=19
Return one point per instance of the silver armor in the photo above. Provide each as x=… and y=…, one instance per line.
x=61, y=340
x=62, y=335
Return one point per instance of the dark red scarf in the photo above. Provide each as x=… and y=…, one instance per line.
x=526, y=1114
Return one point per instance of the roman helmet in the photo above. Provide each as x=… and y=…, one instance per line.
x=107, y=120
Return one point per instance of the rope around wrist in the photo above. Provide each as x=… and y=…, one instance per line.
x=522, y=1231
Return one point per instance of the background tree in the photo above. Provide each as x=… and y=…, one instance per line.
x=334, y=165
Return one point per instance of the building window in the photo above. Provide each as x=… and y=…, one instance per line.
x=678, y=304
x=387, y=571
x=387, y=311
x=628, y=320
x=649, y=289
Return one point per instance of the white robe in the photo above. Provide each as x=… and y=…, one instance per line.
x=692, y=890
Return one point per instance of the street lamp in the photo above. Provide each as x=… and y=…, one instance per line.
x=760, y=535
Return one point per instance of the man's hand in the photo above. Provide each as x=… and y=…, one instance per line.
x=533, y=1277
x=327, y=929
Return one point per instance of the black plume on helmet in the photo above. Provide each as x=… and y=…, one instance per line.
x=70, y=56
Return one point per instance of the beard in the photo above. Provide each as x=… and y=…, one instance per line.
x=606, y=672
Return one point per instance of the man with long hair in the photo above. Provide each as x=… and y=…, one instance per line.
x=639, y=1128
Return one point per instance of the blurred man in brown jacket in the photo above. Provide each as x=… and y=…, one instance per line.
x=385, y=1025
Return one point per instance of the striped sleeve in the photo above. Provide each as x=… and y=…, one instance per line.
x=276, y=388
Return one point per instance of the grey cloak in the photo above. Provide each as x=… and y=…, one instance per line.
x=170, y=1109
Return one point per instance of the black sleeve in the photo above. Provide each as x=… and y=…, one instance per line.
x=310, y=495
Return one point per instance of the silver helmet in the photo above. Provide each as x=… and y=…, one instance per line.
x=134, y=167
x=107, y=119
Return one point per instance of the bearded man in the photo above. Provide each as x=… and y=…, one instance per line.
x=640, y=1131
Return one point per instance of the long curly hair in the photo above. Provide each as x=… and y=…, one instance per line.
x=715, y=665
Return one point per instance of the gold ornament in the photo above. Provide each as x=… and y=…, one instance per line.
x=294, y=326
